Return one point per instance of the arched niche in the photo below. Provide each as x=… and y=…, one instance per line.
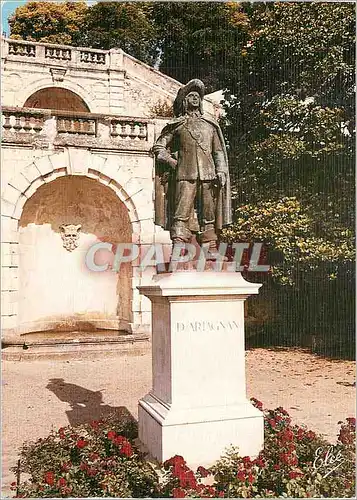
x=57, y=291
x=57, y=98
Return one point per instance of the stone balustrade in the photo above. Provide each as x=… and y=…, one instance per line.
x=55, y=127
x=59, y=54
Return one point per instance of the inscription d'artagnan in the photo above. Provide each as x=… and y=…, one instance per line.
x=205, y=326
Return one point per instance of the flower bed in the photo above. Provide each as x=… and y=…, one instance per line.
x=101, y=460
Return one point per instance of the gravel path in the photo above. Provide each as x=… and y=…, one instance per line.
x=43, y=393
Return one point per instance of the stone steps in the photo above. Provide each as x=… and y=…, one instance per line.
x=84, y=346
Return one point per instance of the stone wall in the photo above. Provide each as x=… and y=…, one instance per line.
x=107, y=81
x=93, y=169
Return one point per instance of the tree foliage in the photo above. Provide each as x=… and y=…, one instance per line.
x=51, y=22
x=125, y=25
x=290, y=118
x=199, y=39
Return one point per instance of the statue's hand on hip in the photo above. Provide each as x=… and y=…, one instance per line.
x=221, y=176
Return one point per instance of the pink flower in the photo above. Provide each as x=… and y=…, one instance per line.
x=61, y=482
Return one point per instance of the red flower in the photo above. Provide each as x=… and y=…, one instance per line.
x=203, y=472
x=294, y=474
x=178, y=469
x=95, y=425
x=83, y=466
x=300, y=434
x=178, y=493
x=81, y=443
x=276, y=467
x=280, y=409
x=260, y=462
x=241, y=475
x=119, y=440
x=351, y=420
x=61, y=433
x=66, y=466
x=310, y=435
x=284, y=457
x=61, y=482
x=221, y=494
x=176, y=460
x=111, y=435
x=286, y=435
x=91, y=472
x=190, y=479
x=272, y=423
x=246, y=460
x=93, y=456
x=126, y=449
x=50, y=478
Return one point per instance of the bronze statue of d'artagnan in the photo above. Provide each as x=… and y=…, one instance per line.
x=193, y=193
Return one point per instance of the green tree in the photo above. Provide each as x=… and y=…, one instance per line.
x=290, y=127
x=124, y=25
x=290, y=113
x=199, y=39
x=51, y=22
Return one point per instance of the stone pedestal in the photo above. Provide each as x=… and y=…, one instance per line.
x=198, y=405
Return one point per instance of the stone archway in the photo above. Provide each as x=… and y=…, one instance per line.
x=57, y=292
x=56, y=98
x=25, y=183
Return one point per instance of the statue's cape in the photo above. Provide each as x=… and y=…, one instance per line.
x=165, y=183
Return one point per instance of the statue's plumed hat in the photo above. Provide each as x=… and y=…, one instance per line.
x=193, y=85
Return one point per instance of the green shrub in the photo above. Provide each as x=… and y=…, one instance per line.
x=100, y=459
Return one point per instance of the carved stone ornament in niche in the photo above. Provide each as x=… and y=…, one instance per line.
x=70, y=236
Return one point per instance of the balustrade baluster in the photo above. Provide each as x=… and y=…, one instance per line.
x=37, y=123
x=114, y=131
x=17, y=125
x=132, y=133
x=27, y=125
x=142, y=132
x=92, y=127
x=7, y=124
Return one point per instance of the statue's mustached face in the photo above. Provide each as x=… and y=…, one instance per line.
x=193, y=100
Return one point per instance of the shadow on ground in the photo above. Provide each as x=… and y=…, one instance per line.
x=86, y=405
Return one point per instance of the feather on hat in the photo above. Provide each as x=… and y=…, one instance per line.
x=193, y=85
